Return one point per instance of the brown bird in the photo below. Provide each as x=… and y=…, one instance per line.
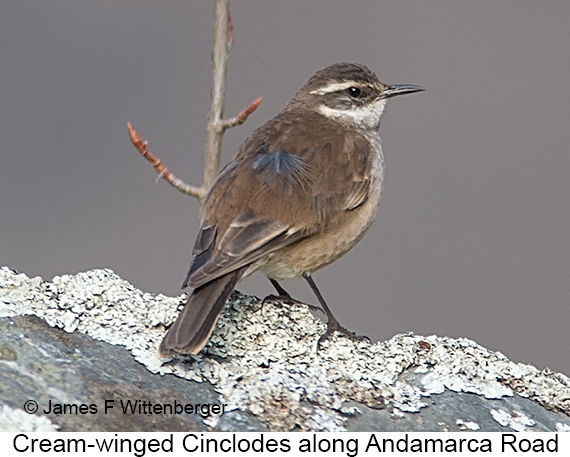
x=301, y=191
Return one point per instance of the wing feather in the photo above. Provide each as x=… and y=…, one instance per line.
x=241, y=245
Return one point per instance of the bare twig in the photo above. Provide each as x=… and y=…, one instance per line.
x=223, y=41
x=241, y=117
x=219, y=70
x=162, y=171
x=165, y=173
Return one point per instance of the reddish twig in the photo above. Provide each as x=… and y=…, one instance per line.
x=241, y=117
x=163, y=171
x=223, y=41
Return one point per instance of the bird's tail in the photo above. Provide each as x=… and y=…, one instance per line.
x=191, y=331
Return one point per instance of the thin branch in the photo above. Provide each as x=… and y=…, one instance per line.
x=162, y=171
x=165, y=173
x=241, y=117
x=219, y=70
x=223, y=41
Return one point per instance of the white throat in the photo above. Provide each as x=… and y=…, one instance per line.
x=365, y=117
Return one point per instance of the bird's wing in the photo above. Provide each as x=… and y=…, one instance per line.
x=247, y=239
x=276, y=192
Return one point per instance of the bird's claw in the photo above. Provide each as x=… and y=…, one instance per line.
x=334, y=326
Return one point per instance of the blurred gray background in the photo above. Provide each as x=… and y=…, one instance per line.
x=473, y=234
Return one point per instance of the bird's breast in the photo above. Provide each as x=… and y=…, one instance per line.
x=314, y=252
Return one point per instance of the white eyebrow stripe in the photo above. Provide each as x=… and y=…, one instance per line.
x=334, y=87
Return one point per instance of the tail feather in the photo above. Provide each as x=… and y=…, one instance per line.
x=191, y=331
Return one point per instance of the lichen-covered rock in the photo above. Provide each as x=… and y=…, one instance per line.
x=262, y=363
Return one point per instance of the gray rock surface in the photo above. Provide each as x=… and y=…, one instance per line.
x=91, y=338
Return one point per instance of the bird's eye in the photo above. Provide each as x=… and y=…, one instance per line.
x=354, y=92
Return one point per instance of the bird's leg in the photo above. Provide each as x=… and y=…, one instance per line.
x=285, y=297
x=332, y=323
x=282, y=292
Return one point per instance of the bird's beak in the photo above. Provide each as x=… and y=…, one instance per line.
x=399, y=89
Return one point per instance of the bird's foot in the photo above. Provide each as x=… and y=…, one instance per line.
x=334, y=326
x=287, y=299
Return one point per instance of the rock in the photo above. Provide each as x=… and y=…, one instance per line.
x=91, y=340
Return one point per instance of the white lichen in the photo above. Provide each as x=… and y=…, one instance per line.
x=516, y=420
x=17, y=420
x=263, y=360
x=467, y=425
